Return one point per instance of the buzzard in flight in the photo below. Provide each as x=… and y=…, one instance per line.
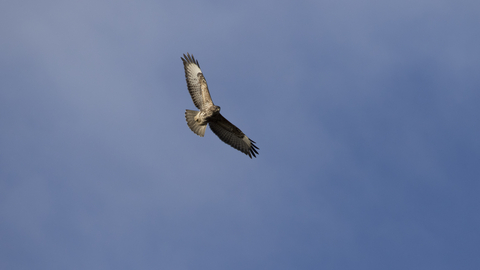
x=209, y=113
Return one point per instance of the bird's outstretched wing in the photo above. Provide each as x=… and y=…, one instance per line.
x=196, y=83
x=233, y=136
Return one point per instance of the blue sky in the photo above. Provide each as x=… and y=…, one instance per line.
x=365, y=112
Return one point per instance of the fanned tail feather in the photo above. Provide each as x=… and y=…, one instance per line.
x=193, y=125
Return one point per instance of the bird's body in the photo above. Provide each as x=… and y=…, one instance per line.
x=210, y=113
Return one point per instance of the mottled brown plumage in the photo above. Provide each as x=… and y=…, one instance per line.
x=210, y=113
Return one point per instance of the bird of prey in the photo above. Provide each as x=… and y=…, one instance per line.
x=209, y=113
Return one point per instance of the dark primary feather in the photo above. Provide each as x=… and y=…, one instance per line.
x=190, y=59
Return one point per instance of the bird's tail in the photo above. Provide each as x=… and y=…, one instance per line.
x=193, y=125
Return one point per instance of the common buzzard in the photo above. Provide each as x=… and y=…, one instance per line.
x=209, y=113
